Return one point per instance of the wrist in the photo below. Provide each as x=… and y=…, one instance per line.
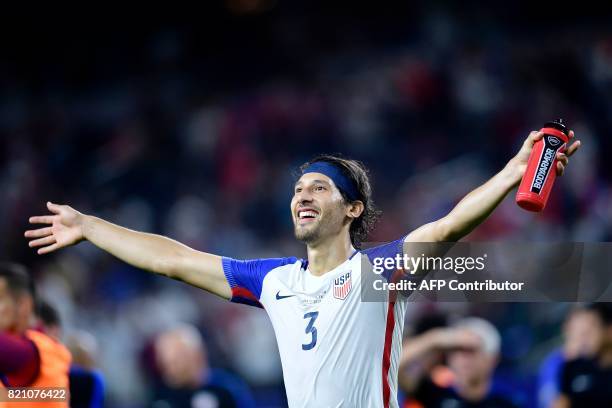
x=86, y=224
x=513, y=173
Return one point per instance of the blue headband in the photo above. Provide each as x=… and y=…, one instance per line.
x=343, y=183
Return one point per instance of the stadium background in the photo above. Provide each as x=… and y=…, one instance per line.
x=192, y=130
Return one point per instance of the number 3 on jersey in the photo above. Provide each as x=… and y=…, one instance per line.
x=310, y=329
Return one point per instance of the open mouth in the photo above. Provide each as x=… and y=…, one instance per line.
x=305, y=215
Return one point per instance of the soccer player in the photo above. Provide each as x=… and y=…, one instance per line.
x=28, y=358
x=335, y=349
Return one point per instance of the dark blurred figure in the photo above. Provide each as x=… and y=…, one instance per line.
x=49, y=319
x=582, y=336
x=587, y=381
x=471, y=347
x=186, y=378
x=28, y=357
x=86, y=383
x=435, y=362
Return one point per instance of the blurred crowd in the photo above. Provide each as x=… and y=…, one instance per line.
x=201, y=144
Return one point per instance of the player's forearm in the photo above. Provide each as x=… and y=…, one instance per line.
x=146, y=251
x=475, y=207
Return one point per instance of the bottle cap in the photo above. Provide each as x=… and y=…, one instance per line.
x=559, y=125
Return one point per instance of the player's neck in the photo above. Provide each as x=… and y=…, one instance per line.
x=326, y=255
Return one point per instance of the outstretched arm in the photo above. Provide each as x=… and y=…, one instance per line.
x=150, y=252
x=475, y=207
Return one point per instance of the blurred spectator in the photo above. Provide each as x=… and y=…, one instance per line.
x=28, y=357
x=587, y=381
x=472, y=350
x=86, y=383
x=49, y=318
x=187, y=380
x=87, y=386
x=582, y=335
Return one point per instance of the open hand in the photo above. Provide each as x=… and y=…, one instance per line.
x=64, y=229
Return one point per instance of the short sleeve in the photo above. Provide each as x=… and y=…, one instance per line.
x=388, y=250
x=246, y=277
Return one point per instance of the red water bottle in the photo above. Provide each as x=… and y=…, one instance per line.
x=541, y=171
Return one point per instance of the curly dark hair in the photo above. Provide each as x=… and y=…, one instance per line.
x=359, y=175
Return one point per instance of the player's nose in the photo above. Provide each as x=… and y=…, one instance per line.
x=303, y=196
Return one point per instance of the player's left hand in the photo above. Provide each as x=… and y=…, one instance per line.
x=522, y=156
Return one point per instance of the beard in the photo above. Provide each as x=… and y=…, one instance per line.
x=309, y=233
x=330, y=222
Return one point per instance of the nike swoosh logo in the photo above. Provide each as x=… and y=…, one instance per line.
x=279, y=296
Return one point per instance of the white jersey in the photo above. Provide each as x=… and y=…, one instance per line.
x=336, y=350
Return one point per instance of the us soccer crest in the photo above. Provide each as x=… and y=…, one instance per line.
x=342, y=286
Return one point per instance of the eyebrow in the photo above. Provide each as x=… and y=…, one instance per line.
x=313, y=181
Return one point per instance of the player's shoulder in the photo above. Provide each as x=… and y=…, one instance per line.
x=271, y=264
x=383, y=250
x=259, y=265
x=284, y=267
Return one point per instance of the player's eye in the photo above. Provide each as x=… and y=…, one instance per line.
x=319, y=188
x=298, y=189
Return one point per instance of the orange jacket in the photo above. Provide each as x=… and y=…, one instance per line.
x=55, y=362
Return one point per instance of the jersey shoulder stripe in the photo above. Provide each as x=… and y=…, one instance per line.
x=245, y=277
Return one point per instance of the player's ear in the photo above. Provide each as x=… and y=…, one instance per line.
x=355, y=209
